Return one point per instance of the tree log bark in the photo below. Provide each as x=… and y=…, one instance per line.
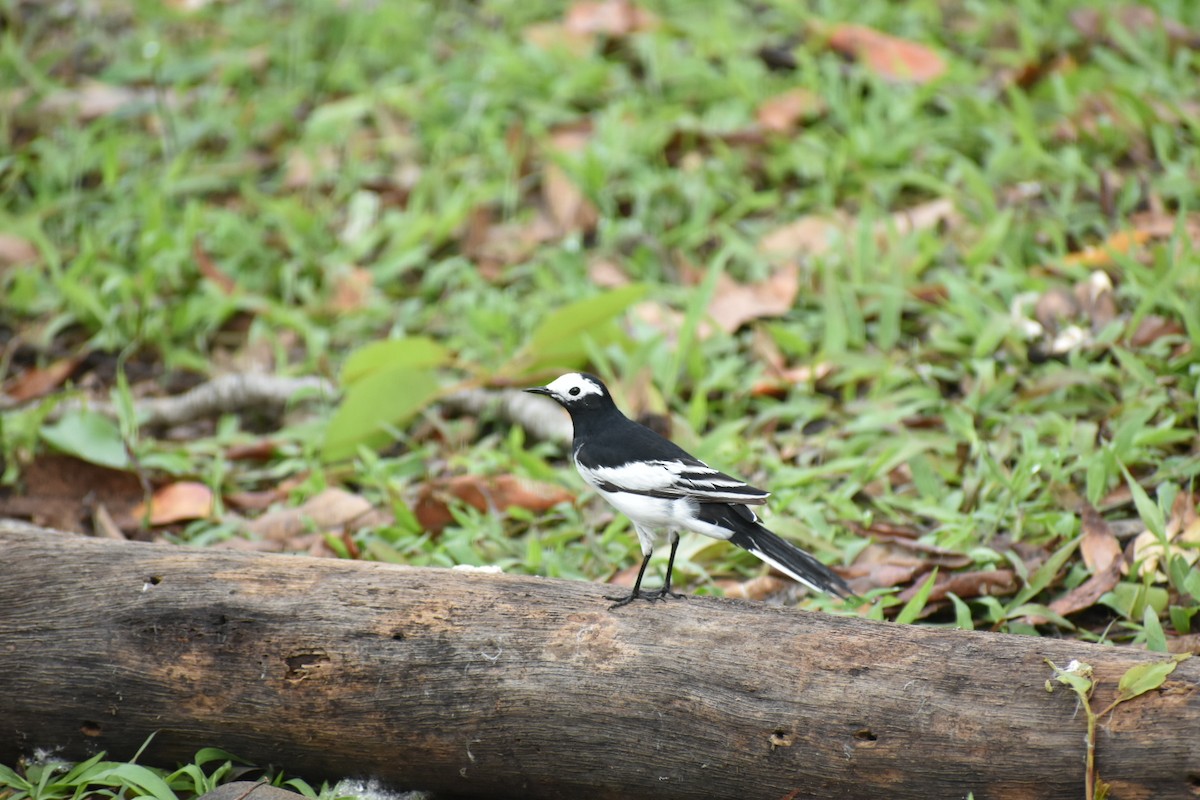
x=512, y=686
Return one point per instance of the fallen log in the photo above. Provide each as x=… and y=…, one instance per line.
x=488, y=685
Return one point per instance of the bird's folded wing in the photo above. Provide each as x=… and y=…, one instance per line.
x=671, y=478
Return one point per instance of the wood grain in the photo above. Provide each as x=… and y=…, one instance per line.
x=508, y=686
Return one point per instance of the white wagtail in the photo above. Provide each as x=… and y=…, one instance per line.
x=658, y=485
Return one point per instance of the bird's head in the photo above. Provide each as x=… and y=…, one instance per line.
x=576, y=391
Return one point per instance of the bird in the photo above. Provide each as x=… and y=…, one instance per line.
x=659, y=485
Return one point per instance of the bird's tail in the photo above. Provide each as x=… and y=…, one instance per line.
x=750, y=535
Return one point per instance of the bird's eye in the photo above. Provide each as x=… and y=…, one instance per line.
x=573, y=391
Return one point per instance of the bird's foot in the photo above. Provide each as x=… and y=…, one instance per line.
x=651, y=596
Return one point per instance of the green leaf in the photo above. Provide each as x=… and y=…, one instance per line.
x=1147, y=509
x=916, y=603
x=962, y=613
x=1077, y=675
x=409, y=352
x=1191, y=584
x=1045, y=573
x=558, y=340
x=135, y=775
x=386, y=398
x=1181, y=618
x=90, y=436
x=1142, y=678
x=10, y=779
x=1156, y=640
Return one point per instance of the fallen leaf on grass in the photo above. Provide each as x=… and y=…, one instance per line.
x=783, y=113
x=1093, y=24
x=177, y=502
x=584, y=22
x=937, y=213
x=494, y=246
x=889, y=57
x=893, y=560
x=40, y=381
x=90, y=101
x=734, y=304
x=1102, y=255
x=1102, y=554
x=1152, y=328
x=607, y=274
x=608, y=17
x=780, y=381
x=351, y=289
x=15, y=251
x=1099, y=547
x=1182, y=533
x=333, y=510
x=758, y=588
x=104, y=525
x=981, y=583
x=484, y=493
x=210, y=270
x=805, y=237
x=567, y=205
x=61, y=491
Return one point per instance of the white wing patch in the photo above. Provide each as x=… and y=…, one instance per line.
x=666, y=478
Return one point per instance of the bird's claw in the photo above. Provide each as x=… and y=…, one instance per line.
x=651, y=596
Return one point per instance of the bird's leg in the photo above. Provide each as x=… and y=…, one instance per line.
x=666, y=588
x=637, y=587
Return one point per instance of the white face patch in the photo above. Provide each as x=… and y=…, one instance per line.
x=573, y=386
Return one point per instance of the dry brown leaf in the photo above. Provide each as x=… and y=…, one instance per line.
x=90, y=101
x=557, y=36
x=1097, y=302
x=209, y=269
x=1152, y=328
x=177, y=502
x=484, y=493
x=570, y=209
x=734, y=304
x=331, y=510
x=759, y=588
x=942, y=212
x=807, y=236
x=61, y=490
x=1092, y=24
x=16, y=251
x=608, y=18
x=981, y=583
x=606, y=273
x=40, y=381
x=306, y=167
x=1182, y=533
x=784, y=112
x=104, y=525
x=351, y=289
x=1099, y=546
x=887, y=56
x=1102, y=255
x=778, y=382
x=495, y=246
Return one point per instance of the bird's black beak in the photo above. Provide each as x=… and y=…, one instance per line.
x=539, y=390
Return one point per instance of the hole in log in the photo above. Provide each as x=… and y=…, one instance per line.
x=865, y=735
x=398, y=636
x=89, y=728
x=302, y=665
x=154, y=580
x=780, y=738
x=1194, y=782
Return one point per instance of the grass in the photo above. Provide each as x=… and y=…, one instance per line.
x=297, y=145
